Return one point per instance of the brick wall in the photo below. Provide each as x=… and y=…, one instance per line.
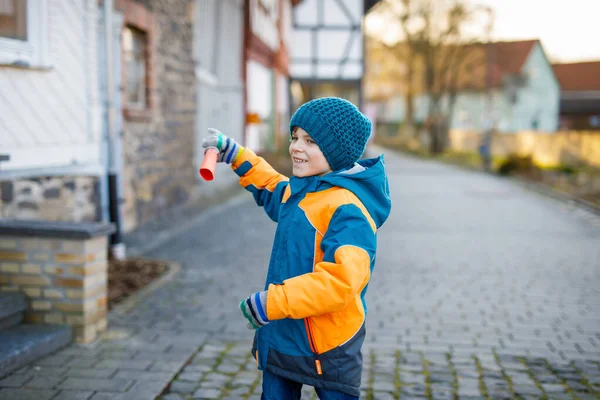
x=65, y=280
x=159, y=171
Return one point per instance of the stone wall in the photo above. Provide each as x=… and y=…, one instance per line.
x=159, y=171
x=69, y=199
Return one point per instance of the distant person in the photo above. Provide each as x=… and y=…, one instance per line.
x=310, y=318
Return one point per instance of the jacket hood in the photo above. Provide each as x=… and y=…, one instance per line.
x=368, y=181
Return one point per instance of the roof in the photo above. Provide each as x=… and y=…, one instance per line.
x=582, y=76
x=508, y=58
x=505, y=59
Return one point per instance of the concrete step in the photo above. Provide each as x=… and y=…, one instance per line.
x=12, y=306
x=26, y=343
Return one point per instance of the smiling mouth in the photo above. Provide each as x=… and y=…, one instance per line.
x=298, y=160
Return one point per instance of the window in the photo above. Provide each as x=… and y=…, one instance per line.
x=138, y=56
x=13, y=19
x=24, y=33
x=134, y=53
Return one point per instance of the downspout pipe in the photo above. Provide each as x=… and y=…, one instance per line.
x=117, y=247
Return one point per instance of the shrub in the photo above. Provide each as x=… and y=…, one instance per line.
x=515, y=164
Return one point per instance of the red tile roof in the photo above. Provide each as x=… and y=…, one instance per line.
x=508, y=58
x=578, y=76
x=505, y=59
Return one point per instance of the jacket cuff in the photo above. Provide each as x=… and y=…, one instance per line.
x=274, y=302
x=247, y=155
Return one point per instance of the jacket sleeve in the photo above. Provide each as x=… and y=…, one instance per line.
x=348, y=249
x=259, y=178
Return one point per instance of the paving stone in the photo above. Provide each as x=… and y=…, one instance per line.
x=553, y=388
x=409, y=378
x=91, y=372
x=191, y=376
x=44, y=382
x=526, y=389
x=26, y=394
x=228, y=368
x=178, y=386
x=469, y=390
x=383, y=396
x=577, y=386
x=163, y=366
x=207, y=394
x=15, y=381
x=585, y=396
x=414, y=390
x=84, y=362
x=105, y=385
x=197, y=368
x=141, y=365
x=561, y=396
x=384, y=386
x=73, y=395
x=548, y=379
x=171, y=396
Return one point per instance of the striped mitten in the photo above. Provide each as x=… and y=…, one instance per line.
x=254, y=308
x=229, y=149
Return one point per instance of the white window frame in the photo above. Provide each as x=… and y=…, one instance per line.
x=32, y=52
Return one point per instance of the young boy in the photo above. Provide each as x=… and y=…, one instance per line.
x=310, y=318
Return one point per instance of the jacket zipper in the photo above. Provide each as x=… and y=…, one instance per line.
x=313, y=346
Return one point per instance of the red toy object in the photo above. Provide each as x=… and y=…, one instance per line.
x=207, y=169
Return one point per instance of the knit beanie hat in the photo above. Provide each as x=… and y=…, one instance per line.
x=339, y=129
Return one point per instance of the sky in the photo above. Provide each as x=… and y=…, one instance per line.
x=569, y=30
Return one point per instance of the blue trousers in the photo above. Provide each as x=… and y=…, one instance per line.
x=276, y=387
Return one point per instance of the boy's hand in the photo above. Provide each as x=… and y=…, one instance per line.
x=229, y=149
x=254, y=308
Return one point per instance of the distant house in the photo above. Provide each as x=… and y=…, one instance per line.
x=523, y=88
x=579, y=95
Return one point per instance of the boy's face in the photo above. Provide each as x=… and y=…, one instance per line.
x=307, y=157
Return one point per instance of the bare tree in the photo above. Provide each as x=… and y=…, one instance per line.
x=440, y=37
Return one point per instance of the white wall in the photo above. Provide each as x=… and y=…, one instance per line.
x=218, y=42
x=50, y=117
x=259, y=81
x=540, y=99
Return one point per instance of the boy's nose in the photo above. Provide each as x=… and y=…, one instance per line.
x=296, y=147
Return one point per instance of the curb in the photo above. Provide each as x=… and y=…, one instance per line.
x=557, y=195
x=136, y=298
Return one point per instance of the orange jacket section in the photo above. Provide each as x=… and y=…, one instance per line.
x=330, y=295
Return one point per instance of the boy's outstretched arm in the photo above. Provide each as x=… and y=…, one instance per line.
x=259, y=178
x=256, y=175
x=348, y=251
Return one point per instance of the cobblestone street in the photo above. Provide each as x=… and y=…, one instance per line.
x=482, y=290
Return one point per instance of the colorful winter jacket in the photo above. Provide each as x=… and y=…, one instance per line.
x=321, y=262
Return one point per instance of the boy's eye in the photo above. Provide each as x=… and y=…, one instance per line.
x=310, y=141
x=293, y=138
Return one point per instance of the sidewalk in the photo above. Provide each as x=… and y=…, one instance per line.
x=482, y=290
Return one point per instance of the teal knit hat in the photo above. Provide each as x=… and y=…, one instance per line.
x=339, y=129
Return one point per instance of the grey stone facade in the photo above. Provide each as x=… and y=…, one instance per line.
x=159, y=171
